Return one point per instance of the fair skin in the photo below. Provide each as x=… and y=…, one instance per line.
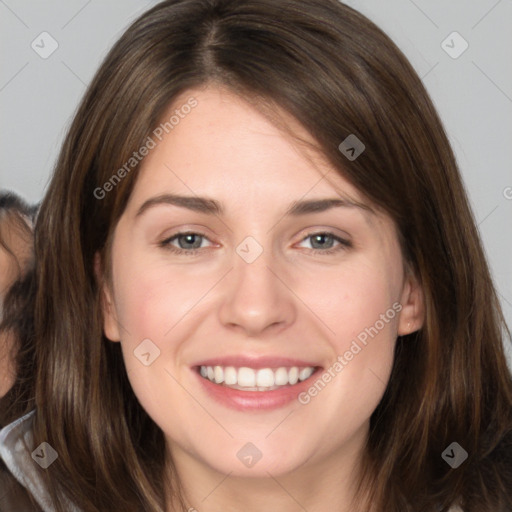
x=10, y=271
x=292, y=301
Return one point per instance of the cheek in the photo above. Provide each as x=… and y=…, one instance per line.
x=352, y=299
x=359, y=305
x=149, y=302
x=151, y=299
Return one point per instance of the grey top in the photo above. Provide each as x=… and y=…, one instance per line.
x=21, y=485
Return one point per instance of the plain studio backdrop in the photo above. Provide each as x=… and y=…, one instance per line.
x=461, y=49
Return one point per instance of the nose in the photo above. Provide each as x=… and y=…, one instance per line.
x=256, y=298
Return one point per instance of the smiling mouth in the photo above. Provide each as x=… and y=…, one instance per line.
x=261, y=379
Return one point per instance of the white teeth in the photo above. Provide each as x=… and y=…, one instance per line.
x=262, y=379
x=246, y=377
x=305, y=373
x=265, y=378
x=281, y=377
x=218, y=374
x=293, y=375
x=230, y=375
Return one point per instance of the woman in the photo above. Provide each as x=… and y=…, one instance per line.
x=329, y=340
x=16, y=260
x=16, y=350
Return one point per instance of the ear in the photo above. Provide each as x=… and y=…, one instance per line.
x=110, y=324
x=412, y=315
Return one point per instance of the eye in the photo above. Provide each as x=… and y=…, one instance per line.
x=189, y=243
x=323, y=242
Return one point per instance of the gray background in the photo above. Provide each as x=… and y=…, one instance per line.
x=473, y=92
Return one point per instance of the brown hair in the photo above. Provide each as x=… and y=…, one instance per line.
x=338, y=74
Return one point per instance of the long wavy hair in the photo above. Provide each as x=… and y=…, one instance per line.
x=337, y=74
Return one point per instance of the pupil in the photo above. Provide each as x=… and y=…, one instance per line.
x=320, y=239
x=189, y=239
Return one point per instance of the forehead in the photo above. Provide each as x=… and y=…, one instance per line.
x=12, y=233
x=228, y=149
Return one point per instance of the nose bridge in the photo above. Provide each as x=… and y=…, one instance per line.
x=255, y=298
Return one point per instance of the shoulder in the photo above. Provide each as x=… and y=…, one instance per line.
x=20, y=476
x=15, y=497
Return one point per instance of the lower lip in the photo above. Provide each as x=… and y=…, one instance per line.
x=254, y=400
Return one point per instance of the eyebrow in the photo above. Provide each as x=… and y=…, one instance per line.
x=213, y=207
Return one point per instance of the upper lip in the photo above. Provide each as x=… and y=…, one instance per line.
x=239, y=361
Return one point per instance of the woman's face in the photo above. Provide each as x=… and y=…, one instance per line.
x=11, y=262
x=266, y=281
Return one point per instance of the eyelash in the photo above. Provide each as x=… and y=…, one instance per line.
x=166, y=244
